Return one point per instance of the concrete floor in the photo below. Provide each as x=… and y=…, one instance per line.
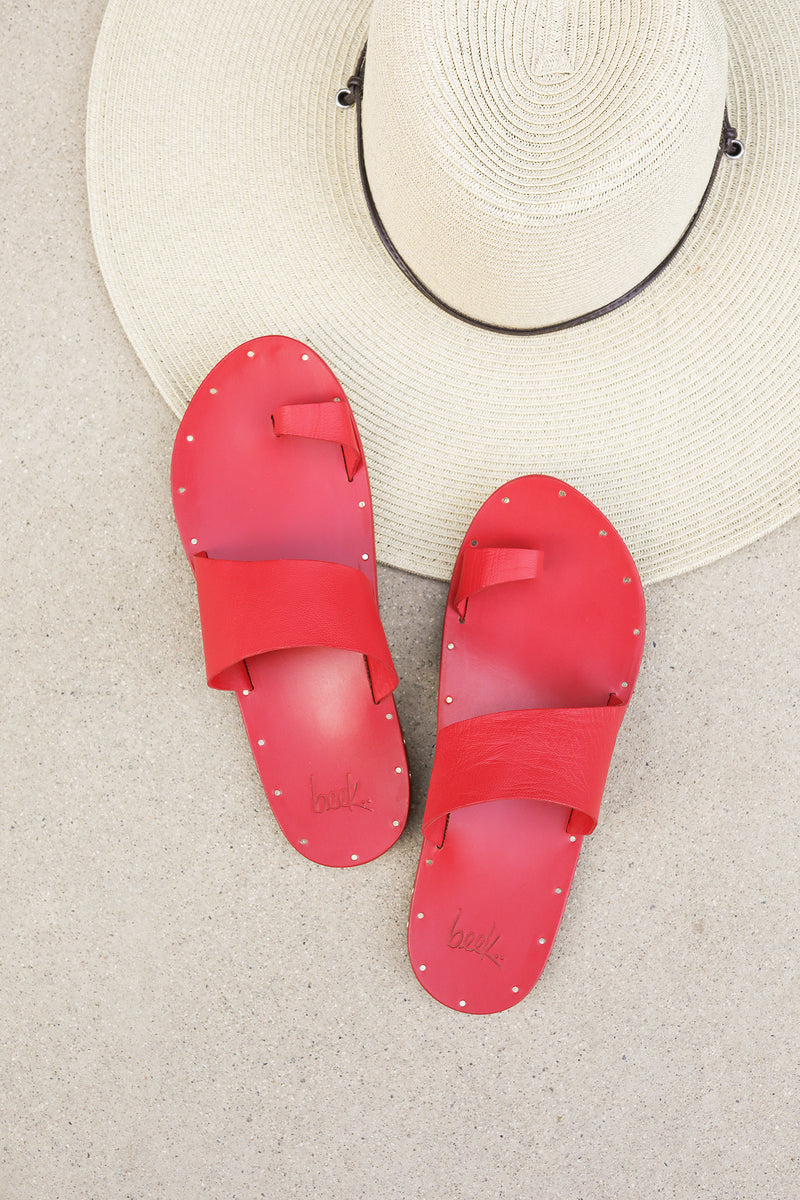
x=191, y=1009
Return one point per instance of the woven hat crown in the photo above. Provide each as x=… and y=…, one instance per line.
x=534, y=160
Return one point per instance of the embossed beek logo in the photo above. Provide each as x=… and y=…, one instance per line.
x=481, y=944
x=345, y=797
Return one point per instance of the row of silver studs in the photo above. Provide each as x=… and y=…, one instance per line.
x=189, y=438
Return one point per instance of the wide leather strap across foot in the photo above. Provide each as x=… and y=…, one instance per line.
x=559, y=755
x=272, y=501
x=542, y=643
x=251, y=608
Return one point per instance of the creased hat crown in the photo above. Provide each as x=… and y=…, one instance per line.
x=534, y=160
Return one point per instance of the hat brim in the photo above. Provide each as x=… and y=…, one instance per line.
x=226, y=203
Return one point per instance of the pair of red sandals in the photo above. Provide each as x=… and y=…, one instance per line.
x=543, y=636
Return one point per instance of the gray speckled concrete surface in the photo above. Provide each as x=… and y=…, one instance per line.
x=191, y=1009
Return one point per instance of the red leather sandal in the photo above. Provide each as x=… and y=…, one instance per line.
x=273, y=505
x=543, y=637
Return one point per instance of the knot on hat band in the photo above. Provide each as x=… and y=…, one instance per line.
x=350, y=96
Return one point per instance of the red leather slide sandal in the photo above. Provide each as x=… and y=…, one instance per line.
x=543, y=637
x=273, y=506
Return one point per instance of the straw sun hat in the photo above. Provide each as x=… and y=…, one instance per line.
x=518, y=164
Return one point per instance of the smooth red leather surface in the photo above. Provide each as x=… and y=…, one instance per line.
x=489, y=566
x=534, y=683
x=274, y=512
x=251, y=608
x=329, y=421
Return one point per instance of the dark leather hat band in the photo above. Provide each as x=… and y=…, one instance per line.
x=350, y=97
